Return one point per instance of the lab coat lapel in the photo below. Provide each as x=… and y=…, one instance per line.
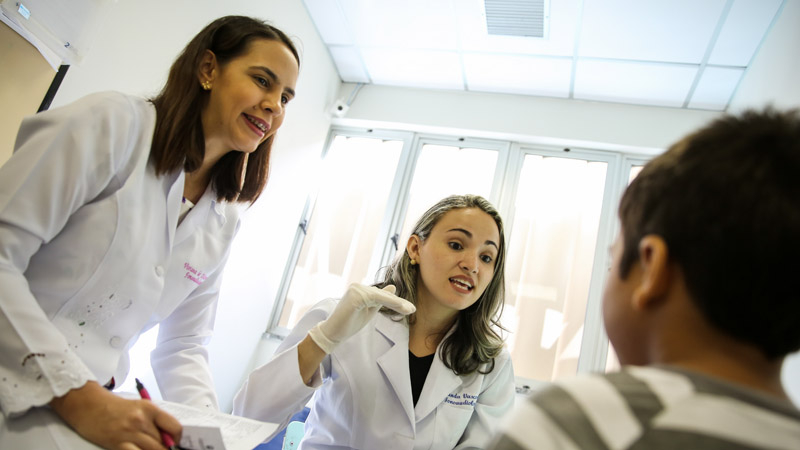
x=394, y=363
x=440, y=382
x=197, y=215
x=174, y=196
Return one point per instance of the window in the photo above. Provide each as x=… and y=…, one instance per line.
x=372, y=186
x=353, y=195
x=443, y=170
x=551, y=251
x=560, y=212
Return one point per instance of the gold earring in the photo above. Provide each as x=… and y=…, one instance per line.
x=413, y=262
x=206, y=85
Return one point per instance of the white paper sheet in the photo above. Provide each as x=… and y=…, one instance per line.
x=202, y=429
x=42, y=429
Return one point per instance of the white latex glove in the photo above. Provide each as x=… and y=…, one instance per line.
x=356, y=308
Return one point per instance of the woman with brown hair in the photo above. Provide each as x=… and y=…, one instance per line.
x=117, y=214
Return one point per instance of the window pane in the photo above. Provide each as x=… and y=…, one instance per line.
x=443, y=170
x=353, y=193
x=634, y=172
x=612, y=362
x=550, y=257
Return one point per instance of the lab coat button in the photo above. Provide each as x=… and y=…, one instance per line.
x=160, y=271
x=115, y=342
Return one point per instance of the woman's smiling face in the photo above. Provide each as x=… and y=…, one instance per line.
x=248, y=96
x=457, y=260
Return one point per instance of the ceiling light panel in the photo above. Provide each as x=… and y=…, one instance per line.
x=414, y=68
x=637, y=83
x=330, y=22
x=747, y=23
x=716, y=87
x=651, y=30
x=348, y=64
x=421, y=24
x=518, y=74
x=559, y=41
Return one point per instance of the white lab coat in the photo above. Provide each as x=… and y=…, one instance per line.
x=91, y=255
x=363, y=395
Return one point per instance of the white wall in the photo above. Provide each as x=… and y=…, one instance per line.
x=138, y=41
x=474, y=113
x=262, y=247
x=772, y=78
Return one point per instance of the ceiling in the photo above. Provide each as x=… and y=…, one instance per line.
x=676, y=53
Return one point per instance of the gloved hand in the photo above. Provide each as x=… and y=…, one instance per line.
x=356, y=308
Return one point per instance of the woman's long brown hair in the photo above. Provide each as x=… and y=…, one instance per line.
x=178, y=140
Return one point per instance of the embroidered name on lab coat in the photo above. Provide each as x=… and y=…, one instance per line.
x=193, y=274
x=461, y=399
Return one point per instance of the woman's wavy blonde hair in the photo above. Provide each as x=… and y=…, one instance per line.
x=475, y=340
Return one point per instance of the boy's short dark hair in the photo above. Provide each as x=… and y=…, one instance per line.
x=726, y=200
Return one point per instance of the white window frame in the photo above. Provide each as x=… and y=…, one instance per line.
x=597, y=338
x=398, y=197
x=398, y=213
x=593, y=338
x=274, y=329
x=594, y=343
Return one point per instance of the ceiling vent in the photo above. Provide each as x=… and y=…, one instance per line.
x=515, y=17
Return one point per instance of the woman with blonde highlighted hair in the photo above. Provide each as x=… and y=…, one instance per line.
x=413, y=362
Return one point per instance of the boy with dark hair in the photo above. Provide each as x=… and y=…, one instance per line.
x=699, y=303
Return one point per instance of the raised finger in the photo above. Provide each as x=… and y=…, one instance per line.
x=387, y=298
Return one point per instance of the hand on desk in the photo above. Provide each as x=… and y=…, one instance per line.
x=113, y=422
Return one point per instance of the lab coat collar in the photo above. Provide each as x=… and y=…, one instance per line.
x=174, y=190
x=199, y=215
x=440, y=382
x=219, y=208
x=394, y=363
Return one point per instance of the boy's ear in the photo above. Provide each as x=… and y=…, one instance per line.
x=655, y=271
x=208, y=67
x=412, y=247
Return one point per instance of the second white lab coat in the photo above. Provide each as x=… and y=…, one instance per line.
x=91, y=255
x=363, y=399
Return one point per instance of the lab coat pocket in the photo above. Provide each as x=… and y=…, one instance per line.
x=452, y=418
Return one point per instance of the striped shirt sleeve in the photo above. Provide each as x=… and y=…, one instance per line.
x=645, y=408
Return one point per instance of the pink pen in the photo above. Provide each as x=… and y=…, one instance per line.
x=166, y=439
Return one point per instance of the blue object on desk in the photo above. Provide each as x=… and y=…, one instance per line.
x=276, y=443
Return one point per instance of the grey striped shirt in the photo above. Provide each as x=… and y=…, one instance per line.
x=647, y=408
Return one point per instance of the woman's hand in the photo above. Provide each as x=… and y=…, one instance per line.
x=356, y=308
x=113, y=422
